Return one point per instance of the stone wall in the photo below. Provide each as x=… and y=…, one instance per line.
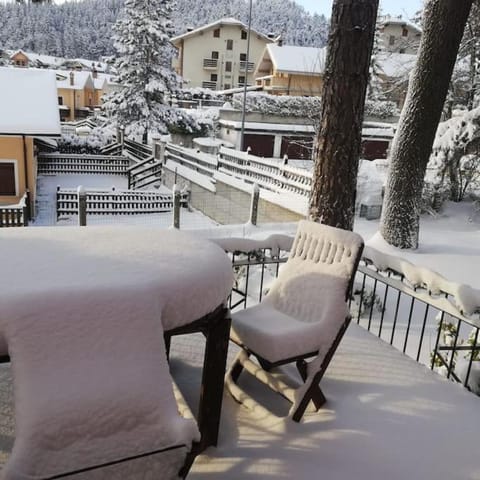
x=229, y=205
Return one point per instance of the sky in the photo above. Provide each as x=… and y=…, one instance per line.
x=406, y=8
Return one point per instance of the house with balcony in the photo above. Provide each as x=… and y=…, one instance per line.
x=399, y=35
x=291, y=70
x=28, y=100
x=76, y=94
x=215, y=56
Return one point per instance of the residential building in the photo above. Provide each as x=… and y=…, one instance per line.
x=29, y=111
x=399, y=35
x=291, y=70
x=215, y=56
x=76, y=94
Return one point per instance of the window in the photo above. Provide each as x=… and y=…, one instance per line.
x=60, y=100
x=243, y=57
x=7, y=178
x=228, y=66
x=241, y=80
x=227, y=86
x=243, y=35
x=391, y=40
x=214, y=55
x=404, y=32
x=229, y=44
x=213, y=77
x=216, y=33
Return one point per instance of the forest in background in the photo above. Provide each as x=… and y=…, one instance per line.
x=83, y=29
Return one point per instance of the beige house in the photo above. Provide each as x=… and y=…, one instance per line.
x=29, y=110
x=215, y=56
x=399, y=36
x=291, y=70
x=76, y=94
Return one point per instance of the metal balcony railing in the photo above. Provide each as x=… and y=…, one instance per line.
x=210, y=85
x=210, y=63
x=425, y=325
x=243, y=64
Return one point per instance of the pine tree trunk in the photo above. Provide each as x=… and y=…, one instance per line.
x=338, y=143
x=443, y=25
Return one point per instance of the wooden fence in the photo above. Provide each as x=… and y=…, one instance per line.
x=115, y=202
x=54, y=163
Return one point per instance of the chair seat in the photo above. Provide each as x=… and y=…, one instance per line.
x=275, y=335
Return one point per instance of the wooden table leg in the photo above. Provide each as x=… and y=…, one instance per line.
x=213, y=376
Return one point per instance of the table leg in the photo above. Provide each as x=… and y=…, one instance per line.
x=213, y=376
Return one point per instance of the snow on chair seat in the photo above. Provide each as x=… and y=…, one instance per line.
x=303, y=316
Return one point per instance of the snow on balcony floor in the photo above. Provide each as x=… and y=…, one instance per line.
x=386, y=417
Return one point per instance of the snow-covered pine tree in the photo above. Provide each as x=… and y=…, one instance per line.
x=144, y=66
x=443, y=25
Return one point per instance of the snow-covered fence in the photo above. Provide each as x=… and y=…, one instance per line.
x=115, y=202
x=136, y=150
x=144, y=173
x=15, y=215
x=433, y=320
x=268, y=173
x=202, y=163
x=54, y=163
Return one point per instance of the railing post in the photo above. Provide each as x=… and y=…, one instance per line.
x=254, y=204
x=82, y=206
x=121, y=134
x=176, y=207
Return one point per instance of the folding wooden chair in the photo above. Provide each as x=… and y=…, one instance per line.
x=304, y=315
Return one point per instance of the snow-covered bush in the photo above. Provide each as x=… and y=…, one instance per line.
x=99, y=137
x=381, y=108
x=455, y=155
x=199, y=122
x=285, y=105
x=198, y=93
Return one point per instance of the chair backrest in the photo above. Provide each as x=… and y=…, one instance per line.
x=320, y=269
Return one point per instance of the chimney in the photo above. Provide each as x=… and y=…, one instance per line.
x=279, y=41
x=94, y=72
x=189, y=29
x=72, y=79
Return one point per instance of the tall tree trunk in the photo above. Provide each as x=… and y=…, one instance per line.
x=338, y=143
x=443, y=25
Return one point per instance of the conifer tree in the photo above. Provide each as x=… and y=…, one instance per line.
x=144, y=66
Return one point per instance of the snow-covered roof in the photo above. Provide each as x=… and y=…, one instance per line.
x=389, y=20
x=396, y=64
x=293, y=59
x=28, y=102
x=81, y=79
x=59, y=61
x=218, y=23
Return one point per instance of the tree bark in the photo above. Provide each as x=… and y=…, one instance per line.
x=338, y=142
x=443, y=25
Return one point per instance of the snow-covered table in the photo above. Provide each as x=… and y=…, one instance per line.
x=82, y=314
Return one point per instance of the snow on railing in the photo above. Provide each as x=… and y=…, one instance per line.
x=15, y=215
x=431, y=319
x=115, y=202
x=54, y=163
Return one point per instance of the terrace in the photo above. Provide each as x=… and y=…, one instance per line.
x=386, y=416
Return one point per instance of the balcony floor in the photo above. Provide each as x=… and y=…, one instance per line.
x=386, y=417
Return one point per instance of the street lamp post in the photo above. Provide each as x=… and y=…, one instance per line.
x=242, y=131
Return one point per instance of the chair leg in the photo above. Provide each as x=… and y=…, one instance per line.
x=237, y=369
x=314, y=393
